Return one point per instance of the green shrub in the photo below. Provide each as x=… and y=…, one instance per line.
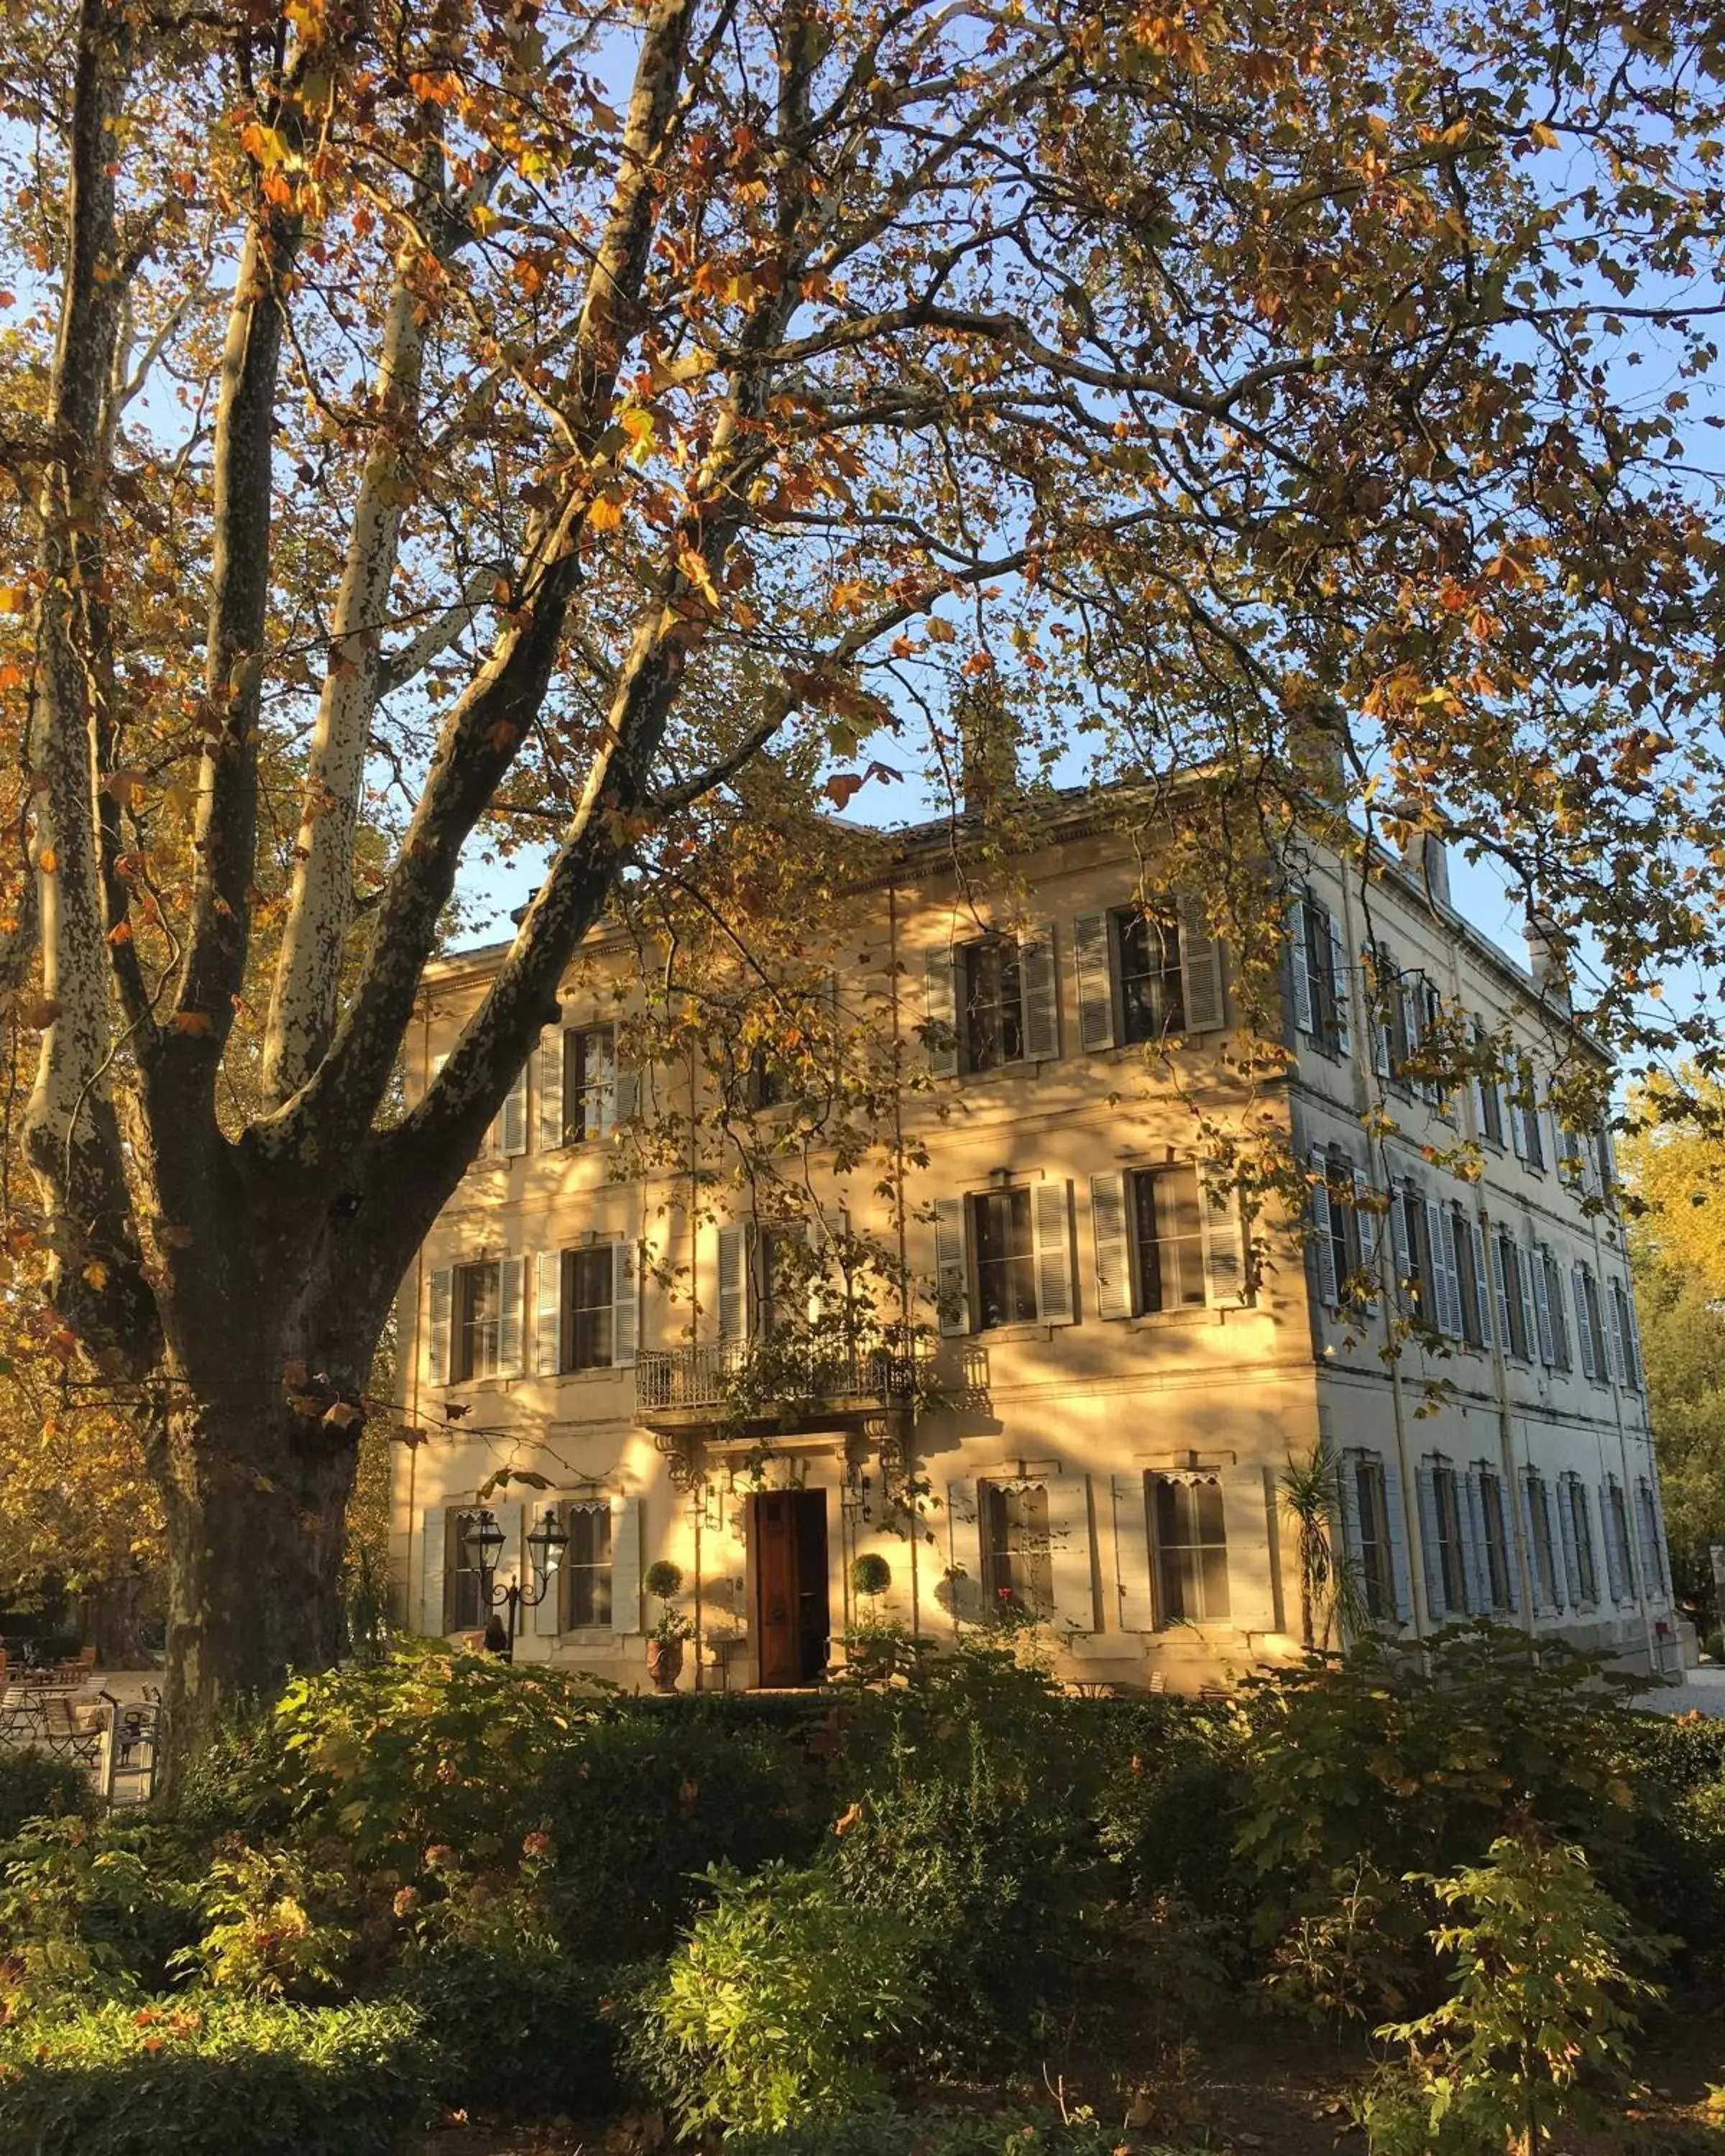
x=269, y=1926
x=775, y=2009
x=514, y=2026
x=90, y=1911
x=213, y=2077
x=32, y=1785
x=644, y=1804
x=939, y=2133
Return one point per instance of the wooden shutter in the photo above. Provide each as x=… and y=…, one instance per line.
x=1248, y=1510
x=1039, y=977
x=734, y=1282
x=1323, y=1250
x=1383, y=991
x=439, y=1327
x=1517, y=1124
x=1401, y=1244
x=1134, y=1580
x=548, y=1313
x=1647, y=1535
x=1072, y=1570
x=511, y=1316
x=1572, y=1554
x=1637, y=1368
x=1584, y=1323
x=1366, y=1217
x=951, y=1265
x=628, y=1092
x=1113, y=1241
x=1300, y=966
x=626, y=1565
x=1482, y=1278
x=1397, y=1514
x=1453, y=1226
x=1542, y=1309
x=1430, y=1555
x=1608, y=1322
x=1051, y=1225
x=433, y=1541
x=512, y=1117
x=548, y=1084
x=625, y=1303
x=1339, y=990
x=1444, y=1293
x=1200, y=971
x=1615, y=1553
x=1224, y=1271
x=1092, y=958
x=1505, y=1331
x=1353, y=1543
x=940, y=992
x=964, y=1551
x=1475, y=1571
x=1524, y=1278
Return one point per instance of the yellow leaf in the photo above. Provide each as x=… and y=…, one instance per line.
x=604, y=514
x=47, y=860
x=97, y=1277
x=1541, y=136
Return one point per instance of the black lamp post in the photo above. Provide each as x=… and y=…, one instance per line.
x=483, y=1541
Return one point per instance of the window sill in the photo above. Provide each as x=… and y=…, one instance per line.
x=596, y=1371
x=1158, y=1321
x=1035, y=1331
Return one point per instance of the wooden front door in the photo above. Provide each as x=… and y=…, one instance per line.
x=792, y=1622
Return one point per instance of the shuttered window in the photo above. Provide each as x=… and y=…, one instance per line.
x=589, y=1085
x=1446, y=1502
x=1005, y=1257
x=1542, y=1549
x=464, y=1588
x=587, y=1312
x=586, y=1565
x=993, y=1004
x=1318, y=972
x=1152, y=1000
x=1377, y=1570
x=1167, y=1223
x=477, y=1346
x=1018, y=1568
x=1495, y=1545
x=1487, y=1094
x=1189, y=1537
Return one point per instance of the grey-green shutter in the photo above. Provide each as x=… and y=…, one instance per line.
x=1323, y=1249
x=1200, y=971
x=1397, y=1517
x=1430, y=1555
x=1300, y=966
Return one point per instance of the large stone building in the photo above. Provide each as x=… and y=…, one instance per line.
x=1100, y=1377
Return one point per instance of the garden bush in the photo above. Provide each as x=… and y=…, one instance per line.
x=514, y=2025
x=90, y=1911
x=941, y=2133
x=213, y=2077
x=777, y=2008
x=34, y=1785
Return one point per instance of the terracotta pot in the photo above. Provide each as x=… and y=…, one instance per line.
x=664, y=1663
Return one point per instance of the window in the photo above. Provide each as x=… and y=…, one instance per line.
x=991, y=979
x=1541, y=1556
x=1147, y=957
x=589, y=1289
x=1494, y=1541
x=1190, y=1543
x=1168, y=1230
x=1449, y=1570
x=1587, y=1325
x=1371, y=1510
x=464, y=1607
x=1551, y=1298
x=1337, y=1220
x=1617, y=1541
x=1655, y=1579
x=1623, y=1319
x=1017, y=1566
x=589, y=1085
x=1005, y=1257
x=1577, y=1521
x=477, y=1346
x=1524, y=1120
x=506, y=1133
x=1411, y=1244
x=586, y=1565
x=1510, y=1264
x=1487, y=1094
x=1319, y=975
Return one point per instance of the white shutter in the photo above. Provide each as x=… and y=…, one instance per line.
x=1542, y=1309
x=548, y=1084
x=628, y=1092
x=941, y=1010
x=1525, y=1483
x=1608, y=1327
x=1051, y=1225
x=626, y=1565
x=1572, y=1556
x=951, y=1265
x=1340, y=986
x=733, y=1282
x=1505, y=1331
x=511, y=1316
x=1475, y=1570
x=1070, y=1569
x=1248, y=1506
x=1615, y=1554
x=1039, y=976
x=1367, y=1219
x=1444, y=1294
x=1353, y=1544
x=1329, y=1288
x=1300, y=966
x=434, y=1539
x=548, y=1313
x=1113, y=1242
x=1224, y=1240
x=964, y=1551
x=1584, y=1323
x=1517, y=1126
x=1524, y=1287
x=1400, y=1242
x=1092, y=957
x=625, y=1303
x=512, y=1117
x=1135, y=1608
x=440, y=1325
x=1452, y=1263
x=548, y=1610
x=1397, y=1515
x=1200, y=971
x=1482, y=1280
x=1431, y=1557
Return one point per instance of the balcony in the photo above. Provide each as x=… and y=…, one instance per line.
x=738, y=1382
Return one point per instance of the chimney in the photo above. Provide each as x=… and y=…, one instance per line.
x=1548, y=959
x=1317, y=746
x=1426, y=857
x=988, y=747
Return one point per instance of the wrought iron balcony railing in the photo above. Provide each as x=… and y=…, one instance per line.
x=739, y=1376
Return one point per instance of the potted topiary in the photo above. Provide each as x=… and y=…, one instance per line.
x=665, y=1642
x=871, y=1647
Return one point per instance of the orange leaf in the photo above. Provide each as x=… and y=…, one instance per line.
x=47, y=860
x=196, y=1023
